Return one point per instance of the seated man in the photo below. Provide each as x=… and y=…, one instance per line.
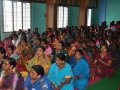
x=37, y=80
x=9, y=80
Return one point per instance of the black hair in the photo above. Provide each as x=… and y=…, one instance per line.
x=11, y=61
x=43, y=48
x=11, y=47
x=38, y=69
x=104, y=44
x=2, y=51
x=80, y=51
x=61, y=56
x=62, y=44
x=25, y=40
x=39, y=39
x=44, y=40
x=15, y=35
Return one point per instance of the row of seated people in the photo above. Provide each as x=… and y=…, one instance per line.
x=67, y=64
x=11, y=79
x=78, y=67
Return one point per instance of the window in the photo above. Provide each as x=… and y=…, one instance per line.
x=62, y=17
x=89, y=14
x=26, y=16
x=16, y=16
x=65, y=17
x=8, y=17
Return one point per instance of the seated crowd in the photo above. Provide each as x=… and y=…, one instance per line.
x=63, y=59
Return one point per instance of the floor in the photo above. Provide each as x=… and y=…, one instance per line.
x=107, y=83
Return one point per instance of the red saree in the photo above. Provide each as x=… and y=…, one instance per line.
x=102, y=69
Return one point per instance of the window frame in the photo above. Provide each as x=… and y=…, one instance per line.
x=25, y=13
x=89, y=17
x=13, y=25
x=63, y=8
x=4, y=17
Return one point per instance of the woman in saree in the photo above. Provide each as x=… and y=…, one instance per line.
x=103, y=62
x=81, y=71
x=40, y=59
x=71, y=53
x=60, y=74
x=25, y=54
x=7, y=42
x=10, y=80
x=10, y=51
x=37, y=80
x=59, y=48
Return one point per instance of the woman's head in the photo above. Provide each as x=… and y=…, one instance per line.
x=2, y=53
x=72, y=50
x=9, y=64
x=7, y=41
x=15, y=37
x=40, y=51
x=59, y=46
x=10, y=50
x=60, y=59
x=55, y=42
x=38, y=41
x=44, y=43
x=36, y=72
x=103, y=48
x=78, y=54
x=23, y=42
x=92, y=43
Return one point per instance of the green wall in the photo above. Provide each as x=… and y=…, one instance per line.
x=38, y=16
x=113, y=10
x=94, y=17
x=73, y=15
x=99, y=13
x=108, y=10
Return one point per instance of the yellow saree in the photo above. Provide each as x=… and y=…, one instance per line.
x=44, y=61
